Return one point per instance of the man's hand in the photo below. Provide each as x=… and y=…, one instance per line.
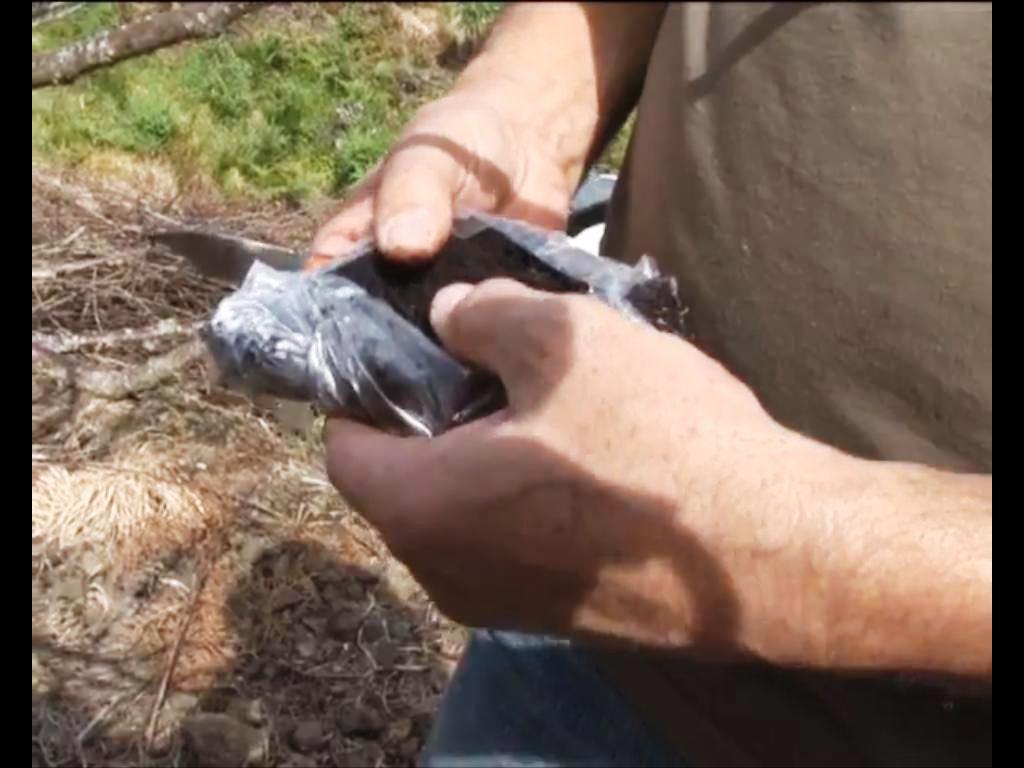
x=604, y=500
x=457, y=153
x=633, y=489
x=552, y=83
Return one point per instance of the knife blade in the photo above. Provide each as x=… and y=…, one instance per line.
x=226, y=257
x=407, y=289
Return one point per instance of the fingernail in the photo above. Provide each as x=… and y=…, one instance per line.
x=317, y=260
x=445, y=301
x=409, y=232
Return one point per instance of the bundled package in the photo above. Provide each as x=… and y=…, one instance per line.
x=354, y=337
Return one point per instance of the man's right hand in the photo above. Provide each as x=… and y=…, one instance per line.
x=457, y=153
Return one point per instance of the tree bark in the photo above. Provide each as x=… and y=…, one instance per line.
x=135, y=38
x=45, y=12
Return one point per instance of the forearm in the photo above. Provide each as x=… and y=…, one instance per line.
x=565, y=74
x=895, y=572
x=912, y=583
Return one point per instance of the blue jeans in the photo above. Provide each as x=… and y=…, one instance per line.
x=520, y=700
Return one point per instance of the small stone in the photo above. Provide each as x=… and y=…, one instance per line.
x=360, y=721
x=220, y=741
x=250, y=711
x=344, y=624
x=307, y=736
x=306, y=647
x=401, y=630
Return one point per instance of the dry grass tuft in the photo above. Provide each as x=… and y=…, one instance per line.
x=133, y=511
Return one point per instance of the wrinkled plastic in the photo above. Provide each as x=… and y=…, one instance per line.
x=354, y=339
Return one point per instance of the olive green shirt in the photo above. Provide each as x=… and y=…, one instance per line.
x=819, y=179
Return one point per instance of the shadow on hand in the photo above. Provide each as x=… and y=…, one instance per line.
x=492, y=180
x=574, y=534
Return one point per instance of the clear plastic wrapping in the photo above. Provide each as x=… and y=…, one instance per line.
x=353, y=337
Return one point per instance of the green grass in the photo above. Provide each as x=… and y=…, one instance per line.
x=615, y=153
x=473, y=18
x=276, y=113
x=258, y=114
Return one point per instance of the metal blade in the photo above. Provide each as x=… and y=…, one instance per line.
x=227, y=257
x=590, y=205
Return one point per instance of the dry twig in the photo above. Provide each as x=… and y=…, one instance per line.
x=172, y=661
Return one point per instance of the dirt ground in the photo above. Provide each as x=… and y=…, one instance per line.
x=200, y=595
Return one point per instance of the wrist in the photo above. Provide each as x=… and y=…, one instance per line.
x=909, y=560
x=876, y=565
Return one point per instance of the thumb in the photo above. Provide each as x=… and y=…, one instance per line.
x=522, y=335
x=413, y=209
x=362, y=464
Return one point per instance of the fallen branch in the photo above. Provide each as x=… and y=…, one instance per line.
x=74, y=266
x=136, y=37
x=64, y=343
x=52, y=247
x=117, y=385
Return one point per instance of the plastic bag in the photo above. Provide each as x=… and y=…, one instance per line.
x=354, y=337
